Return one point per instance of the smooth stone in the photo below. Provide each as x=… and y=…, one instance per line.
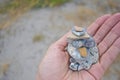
x=73, y=37
x=78, y=28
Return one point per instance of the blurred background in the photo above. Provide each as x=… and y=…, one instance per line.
x=28, y=27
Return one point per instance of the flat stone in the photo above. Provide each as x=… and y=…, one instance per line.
x=72, y=36
x=78, y=28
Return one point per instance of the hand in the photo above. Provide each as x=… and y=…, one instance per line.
x=106, y=32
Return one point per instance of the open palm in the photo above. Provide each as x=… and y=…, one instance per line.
x=105, y=30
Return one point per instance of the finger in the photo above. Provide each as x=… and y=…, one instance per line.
x=107, y=59
x=109, y=39
x=106, y=27
x=95, y=25
x=62, y=42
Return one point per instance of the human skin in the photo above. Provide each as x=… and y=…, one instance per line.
x=106, y=32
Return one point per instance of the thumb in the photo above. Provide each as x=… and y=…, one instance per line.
x=62, y=42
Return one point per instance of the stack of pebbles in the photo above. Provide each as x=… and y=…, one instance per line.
x=82, y=49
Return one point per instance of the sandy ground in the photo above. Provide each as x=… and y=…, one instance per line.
x=24, y=43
